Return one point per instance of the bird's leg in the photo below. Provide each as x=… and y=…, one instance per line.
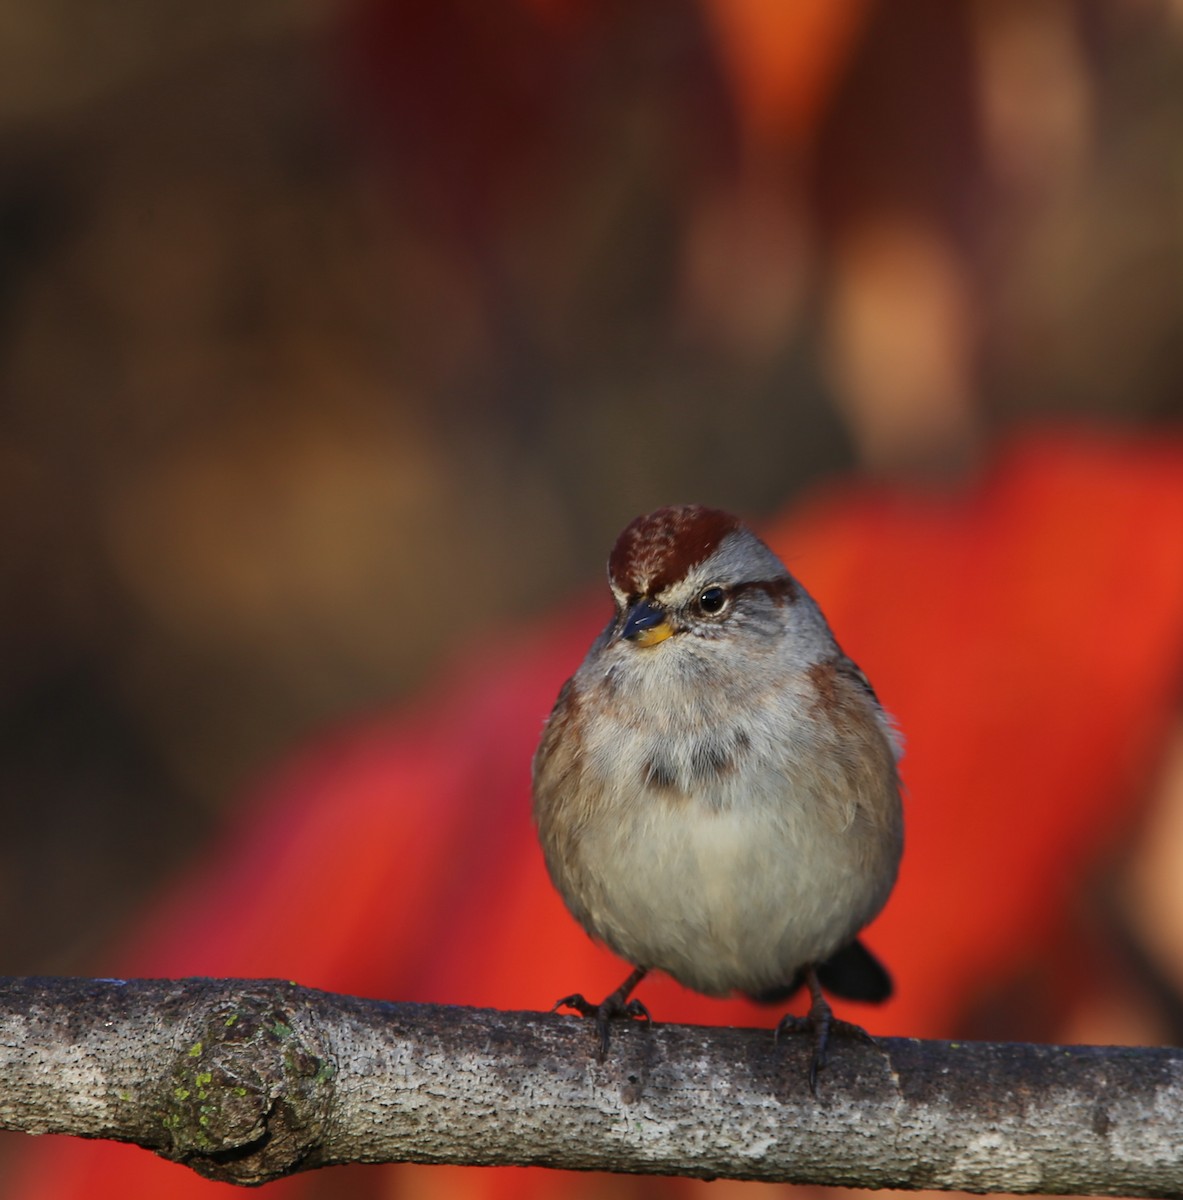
x=615, y=1007
x=821, y=1022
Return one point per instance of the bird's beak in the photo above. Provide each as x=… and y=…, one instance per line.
x=645, y=624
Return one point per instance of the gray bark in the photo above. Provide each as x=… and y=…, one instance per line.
x=247, y=1080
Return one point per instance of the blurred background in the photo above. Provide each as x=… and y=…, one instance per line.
x=339, y=338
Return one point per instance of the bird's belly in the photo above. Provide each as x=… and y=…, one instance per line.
x=727, y=899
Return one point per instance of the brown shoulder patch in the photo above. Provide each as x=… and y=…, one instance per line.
x=661, y=547
x=844, y=694
x=833, y=697
x=561, y=734
x=824, y=679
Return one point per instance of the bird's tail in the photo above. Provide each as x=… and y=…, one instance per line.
x=853, y=973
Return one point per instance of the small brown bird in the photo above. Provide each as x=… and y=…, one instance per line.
x=716, y=790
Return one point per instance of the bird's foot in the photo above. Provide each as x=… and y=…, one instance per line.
x=822, y=1026
x=616, y=1007
x=821, y=1022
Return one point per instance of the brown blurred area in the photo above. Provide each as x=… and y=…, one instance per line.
x=334, y=338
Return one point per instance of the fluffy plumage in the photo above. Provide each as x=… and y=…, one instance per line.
x=716, y=791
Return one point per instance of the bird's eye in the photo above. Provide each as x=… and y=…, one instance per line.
x=712, y=600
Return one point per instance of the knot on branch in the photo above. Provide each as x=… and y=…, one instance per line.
x=250, y=1090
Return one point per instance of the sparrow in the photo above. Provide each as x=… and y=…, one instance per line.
x=716, y=790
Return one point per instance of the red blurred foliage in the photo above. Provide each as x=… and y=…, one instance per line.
x=1026, y=632
x=783, y=62
x=483, y=105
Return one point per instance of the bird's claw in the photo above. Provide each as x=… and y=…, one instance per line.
x=576, y=1001
x=610, y=1009
x=821, y=1023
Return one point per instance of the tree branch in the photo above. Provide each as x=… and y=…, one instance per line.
x=248, y=1080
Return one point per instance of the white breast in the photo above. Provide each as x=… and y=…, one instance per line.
x=725, y=891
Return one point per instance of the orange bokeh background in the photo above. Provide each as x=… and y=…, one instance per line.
x=1012, y=585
